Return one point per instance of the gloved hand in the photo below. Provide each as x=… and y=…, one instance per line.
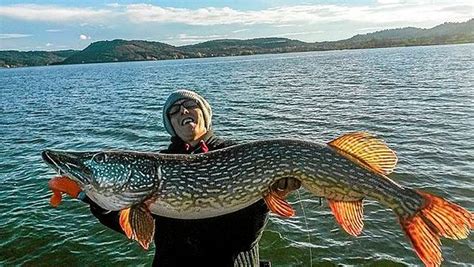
x=285, y=186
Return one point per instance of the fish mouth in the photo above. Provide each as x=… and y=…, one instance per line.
x=68, y=164
x=46, y=155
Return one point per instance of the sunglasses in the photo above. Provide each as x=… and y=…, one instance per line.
x=188, y=104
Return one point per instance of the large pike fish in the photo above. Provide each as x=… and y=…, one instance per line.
x=345, y=171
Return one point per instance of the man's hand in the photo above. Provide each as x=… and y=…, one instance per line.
x=285, y=186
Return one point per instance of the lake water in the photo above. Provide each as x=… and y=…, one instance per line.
x=420, y=100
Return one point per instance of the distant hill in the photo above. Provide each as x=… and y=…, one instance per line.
x=137, y=50
x=446, y=33
x=236, y=47
x=33, y=58
x=121, y=50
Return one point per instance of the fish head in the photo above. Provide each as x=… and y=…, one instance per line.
x=71, y=164
x=111, y=171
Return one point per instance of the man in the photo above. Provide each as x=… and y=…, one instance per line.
x=227, y=240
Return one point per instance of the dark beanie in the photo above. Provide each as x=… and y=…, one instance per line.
x=186, y=94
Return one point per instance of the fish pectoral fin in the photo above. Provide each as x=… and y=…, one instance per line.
x=125, y=223
x=278, y=205
x=369, y=150
x=349, y=214
x=138, y=224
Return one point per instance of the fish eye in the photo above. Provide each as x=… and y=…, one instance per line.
x=100, y=158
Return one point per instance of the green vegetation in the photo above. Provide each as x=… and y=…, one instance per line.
x=447, y=33
x=122, y=50
x=234, y=47
x=32, y=58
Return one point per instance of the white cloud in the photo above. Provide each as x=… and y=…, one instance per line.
x=381, y=12
x=241, y=30
x=287, y=25
x=49, y=44
x=13, y=35
x=84, y=37
x=298, y=33
x=388, y=12
x=145, y=13
x=184, y=38
x=114, y=5
x=370, y=29
x=52, y=13
x=54, y=30
x=387, y=2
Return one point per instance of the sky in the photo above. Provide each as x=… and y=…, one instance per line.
x=58, y=25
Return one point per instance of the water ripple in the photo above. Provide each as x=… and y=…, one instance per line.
x=419, y=99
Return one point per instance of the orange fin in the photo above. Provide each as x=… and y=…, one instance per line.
x=125, y=223
x=449, y=220
x=349, y=215
x=56, y=198
x=438, y=218
x=138, y=224
x=278, y=205
x=62, y=184
x=370, y=151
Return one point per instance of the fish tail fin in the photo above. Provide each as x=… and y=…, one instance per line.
x=437, y=218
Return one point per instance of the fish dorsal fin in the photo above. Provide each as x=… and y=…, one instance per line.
x=138, y=224
x=349, y=215
x=371, y=151
x=278, y=205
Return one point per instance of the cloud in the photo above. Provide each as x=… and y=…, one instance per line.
x=460, y=9
x=84, y=37
x=381, y=12
x=13, y=35
x=298, y=33
x=185, y=38
x=241, y=30
x=287, y=25
x=387, y=2
x=145, y=13
x=386, y=12
x=369, y=29
x=114, y=5
x=54, y=30
x=52, y=13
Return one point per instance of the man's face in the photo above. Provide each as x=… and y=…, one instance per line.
x=187, y=120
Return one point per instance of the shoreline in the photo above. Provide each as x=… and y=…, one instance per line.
x=226, y=56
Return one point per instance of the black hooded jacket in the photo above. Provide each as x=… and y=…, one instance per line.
x=213, y=241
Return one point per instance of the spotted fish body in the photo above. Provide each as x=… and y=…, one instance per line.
x=215, y=183
x=226, y=180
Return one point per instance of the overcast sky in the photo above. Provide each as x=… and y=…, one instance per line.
x=57, y=25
